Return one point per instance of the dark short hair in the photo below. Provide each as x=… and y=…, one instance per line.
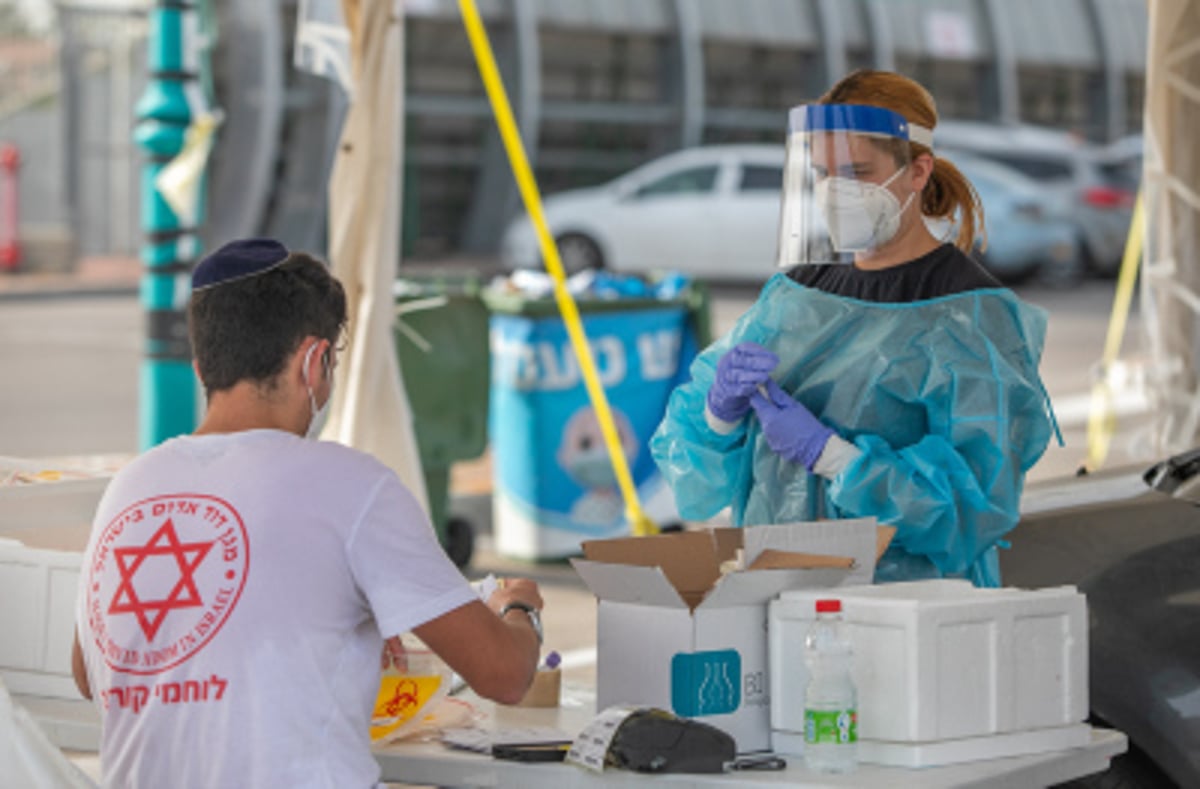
x=245, y=330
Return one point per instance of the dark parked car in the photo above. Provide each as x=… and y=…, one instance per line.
x=1130, y=540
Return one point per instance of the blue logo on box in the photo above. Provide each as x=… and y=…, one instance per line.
x=706, y=683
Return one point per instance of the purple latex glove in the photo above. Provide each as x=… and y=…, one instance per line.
x=739, y=373
x=790, y=428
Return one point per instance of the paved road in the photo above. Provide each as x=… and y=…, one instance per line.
x=70, y=381
x=70, y=386
x=71, y=365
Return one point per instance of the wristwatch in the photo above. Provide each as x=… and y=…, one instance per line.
x=535, y=618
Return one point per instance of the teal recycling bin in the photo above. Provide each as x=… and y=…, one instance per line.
x=553, y=483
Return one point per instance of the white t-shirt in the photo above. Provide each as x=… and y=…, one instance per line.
x=233, y=602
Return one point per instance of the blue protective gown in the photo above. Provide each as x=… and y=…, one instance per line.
x=942, y=396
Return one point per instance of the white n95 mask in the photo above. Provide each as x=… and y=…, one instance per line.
x=860, y=215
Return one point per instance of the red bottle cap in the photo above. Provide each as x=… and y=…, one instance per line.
x=829, y=606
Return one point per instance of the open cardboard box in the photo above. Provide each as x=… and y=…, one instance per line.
x=674, y=633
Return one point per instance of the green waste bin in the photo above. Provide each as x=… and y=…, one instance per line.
x=441, y=338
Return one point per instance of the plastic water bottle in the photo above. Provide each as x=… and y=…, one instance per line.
x=830, y=700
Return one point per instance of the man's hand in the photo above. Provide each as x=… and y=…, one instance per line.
x=394, y=654
x=515, y=590
x=496, y=656
x=79, y=669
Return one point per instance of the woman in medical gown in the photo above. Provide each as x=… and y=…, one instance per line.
x=884, y=373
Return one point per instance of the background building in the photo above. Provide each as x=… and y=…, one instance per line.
x=598, y=86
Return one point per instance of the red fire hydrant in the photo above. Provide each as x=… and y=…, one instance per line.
x=10, y=246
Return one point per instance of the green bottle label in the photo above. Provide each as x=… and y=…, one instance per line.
x=830, y=727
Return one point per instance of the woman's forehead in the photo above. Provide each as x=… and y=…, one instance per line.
x=843, y=147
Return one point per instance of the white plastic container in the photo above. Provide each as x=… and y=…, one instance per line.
x=945, y=672
x=51, y=494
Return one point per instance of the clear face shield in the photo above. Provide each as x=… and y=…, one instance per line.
x=843, y=194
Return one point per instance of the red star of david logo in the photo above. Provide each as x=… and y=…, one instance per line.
x=151, y=613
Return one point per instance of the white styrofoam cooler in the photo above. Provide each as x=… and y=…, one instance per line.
x=44, y=527
x=37, y=618
x=945, y=672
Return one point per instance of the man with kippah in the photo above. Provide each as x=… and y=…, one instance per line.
x=240, y=582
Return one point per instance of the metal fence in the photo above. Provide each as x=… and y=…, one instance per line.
x=103, y=69
x=28, y=67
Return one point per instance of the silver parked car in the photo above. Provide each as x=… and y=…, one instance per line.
x=1129, y=538
x=1066, y=166
x=1121, y=162
x=1029, y=230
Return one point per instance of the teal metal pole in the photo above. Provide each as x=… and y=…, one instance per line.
x=167, y=388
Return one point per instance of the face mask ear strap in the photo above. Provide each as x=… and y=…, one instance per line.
x=895, y=175
x=308, y=358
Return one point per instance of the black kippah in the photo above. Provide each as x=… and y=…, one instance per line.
x=237, y=260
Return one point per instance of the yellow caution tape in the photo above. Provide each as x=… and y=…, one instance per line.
x=1101, y=419
x=639, y=523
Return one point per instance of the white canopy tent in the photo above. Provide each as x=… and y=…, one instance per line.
x=370, y=409
x=1170, y=296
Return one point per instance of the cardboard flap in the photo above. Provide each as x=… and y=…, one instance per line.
x=883, y=538
x=688, y=559
x=757, y=586
x=625, y=583
x=854, y=537
x=771, y=559
x=728, y=541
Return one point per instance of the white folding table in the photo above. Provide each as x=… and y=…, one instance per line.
x=434, y=763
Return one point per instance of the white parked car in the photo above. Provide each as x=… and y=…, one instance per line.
x=711, y=212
